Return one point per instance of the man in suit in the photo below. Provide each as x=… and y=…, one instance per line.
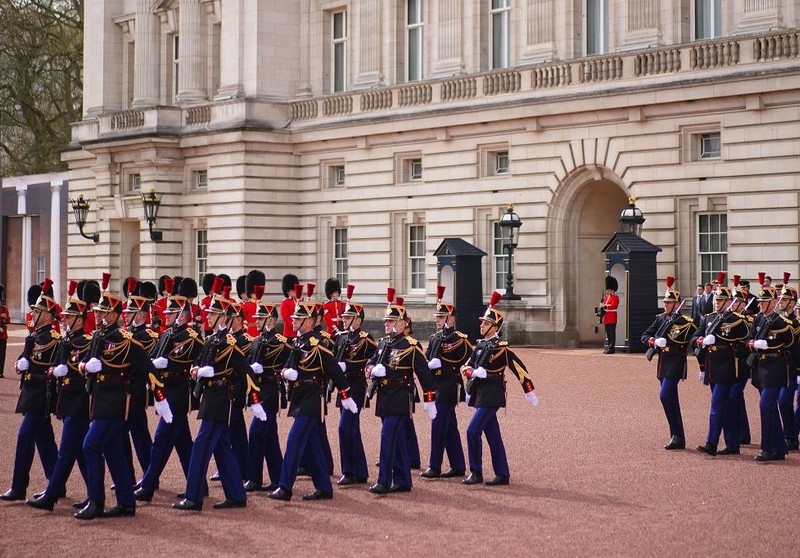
x=697, y=304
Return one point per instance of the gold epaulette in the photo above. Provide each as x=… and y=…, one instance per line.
x=153, y=334
x=313, y=340
x=54, y=334
x=281, y=338
x=126, y=334
x=230, y=339
x=249, y=337
x=503, y=344
x=325, y=334
x=363, y=334
x=87, y=336
x=461, y=335
x=192, y=333
x=411, y=341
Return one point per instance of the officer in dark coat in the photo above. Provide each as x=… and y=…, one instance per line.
x=36, y=396
x=308, y=369
x=747, y=307
x=268, y=355
x=354, y=348
x=717, y=339
x=114, y=363
x=398, y=359
x=72, y=402
x=786, y=395
x=173, y=356
x=237, y=424
x=448, y=350
x=670, y=334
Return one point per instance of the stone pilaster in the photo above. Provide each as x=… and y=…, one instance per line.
x=538, y=23
x=449, y=42
x=369, y=44
x=192, y=70
x=145, y=85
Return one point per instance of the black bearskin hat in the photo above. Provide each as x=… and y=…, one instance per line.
x=187, y=287
x=332, y=285
x=91, y=292
x=176, y=283
x=254, y=277
x=287, y=284
x=611, y=283
x=147, y=290
x=226, y=279
x=208, y=282
x=162, y=283
x=241, y=285
x=33, y=294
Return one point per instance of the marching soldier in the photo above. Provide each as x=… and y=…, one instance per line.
x=788, y=300
x=291, y=296
x=412, y=442
x=36, y=399
x=743, y=306
x=486, y=392
x=718, y=338
x=448, y=350
x=72, y=403
x=392, y=370
x=669, y=335
x=255, y=278
x=205, y=302
x=354, y=348
x=334, y=306
x=114, y=363
x=237, y=424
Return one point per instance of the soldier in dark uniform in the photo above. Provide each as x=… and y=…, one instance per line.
x=392, y=369
x=173, y=356
x=740, y=306
x=354, y=348
x=72, y=403
x=308, y=369
x=268, y=355
x=788, y=299
x=448, y=350
x=670, y=334
x=486, y=392
x=237, y=425
x=114, y=363
x=718, y=338
x=772, y=335
x=36, y=396
x=412, y=441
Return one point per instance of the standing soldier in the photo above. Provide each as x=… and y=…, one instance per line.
x=205, y=302
x=743, y=306
x=786, y=394
x=334, y=306
x=255, y=278
x=354, y=348
x=669, y=335
x=291, y=296
x=412, y=442
x=5, y=319
x=36, y=396
x=718, y=338
x=268, y=355
x=487, y=393
x=448, y=350
x=392, y=370
x=609, y=306
x=72, y=403
x=114, y=363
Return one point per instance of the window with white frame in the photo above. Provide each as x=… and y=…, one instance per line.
x=135, y=182
x=201, y=257
x=41, y=269
x=340, y=255
x=200, y=179
x=416, y=257
x=500, y=160
x=707, y=19
x=596, y=26
x=712, y=245
x=337, y=176
x=414, y=39
x=499, y=257
x=500, y=15
x=339, y=51
x=176, y=62
x=414, y=170
x=709, y=146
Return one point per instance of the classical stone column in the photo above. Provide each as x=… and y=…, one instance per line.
x=538, y=24
x=304, y=84
x=449, y=43
x=231, y=44
x=145, y=80
x=192, y=70
x=25, y=249
x=55, y=235
x=369, y=44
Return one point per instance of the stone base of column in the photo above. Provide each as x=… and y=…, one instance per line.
x=225, y=92
x=144, y=103
x=450, y=67
x=191, y=97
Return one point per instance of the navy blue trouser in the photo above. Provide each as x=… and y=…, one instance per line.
x=742, y=422
x=168, y=436
x=73, y=431
x=445, y=437
x=672, y=406
x=238, y=437
x=723, y=416
x=484, y=421
x=35, y=434
x=786, y=406
x=139, y=433
x=351, y=446
x=264, y=446
x=772, y=439
x=214, y=437
x=394, y=468
x=412, y=444
x=106, y=439
x=326, y=450
x=305, y=440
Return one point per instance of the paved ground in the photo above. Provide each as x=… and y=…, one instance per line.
x=589, y=478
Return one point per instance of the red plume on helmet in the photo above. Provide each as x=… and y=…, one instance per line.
x=762, y=276
x=390, y=294
x=132, y=282
x=72, y=287
x=106, y=280
x=721, y=278
x=736, y=279
x=786, y=276
x=399, y=300
x=258, y=291
x=670, y=282
x=298, y=291
x=216, y=286
x=496, y=297
x=310, y=290
x=350, y=289
x=169, y=285
x=439, y=292
x=226, y=291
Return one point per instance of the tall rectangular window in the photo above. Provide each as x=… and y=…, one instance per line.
x=500, y=12
x=596, y=26
x=707, y=19
x=201, y=254
x=176, y=62
x=340, y=255
x=712, y=244
x=339, y=51
x=500, y=258
x=414, y=22
x=416, y=257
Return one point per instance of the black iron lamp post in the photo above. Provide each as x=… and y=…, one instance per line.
x=151, y=203
x=80, y=208
x=631, y=218
x=510, y=224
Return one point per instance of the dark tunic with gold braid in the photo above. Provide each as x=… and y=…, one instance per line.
x=245, y=342
x=720, y=360
x=37, y=395
x=73, y=401
x=793, y=358
x=148, y=339
x=315, y=365
x=672, y=358
x=360, y=349
x=273, y=351
x=173, y=382
x=453, y=349
x=770, y=365
x=491, y=390
x=396, y=389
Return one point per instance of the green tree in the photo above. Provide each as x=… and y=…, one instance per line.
x=41, y=61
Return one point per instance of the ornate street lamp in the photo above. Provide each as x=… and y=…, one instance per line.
x=80, y=208
x=631, y=218
x=510, y=224
x=151, y=203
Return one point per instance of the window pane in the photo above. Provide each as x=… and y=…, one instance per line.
x=339, y=25
x=338, y=70
x=414, y=54
x=414, y=14
x=499, y=39
x=703, y=223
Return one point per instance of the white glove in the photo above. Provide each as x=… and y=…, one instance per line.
x=258, y=412
x=22, y=364
x=350, y=405
x=290, y=374
x=466, y=398
x=430, y=408
x=798, y=380
x=163, y=410
x=378, y=371
x=257, y=368
x=532, y=399
x=93, y=365
x=660, y=342
x=160, y=363
x=205, y=372
x=702, y=376
x=709, y=340
x=479, y=372
x=434, y=364
x=343, y=366
x=760, y=344
x=60, y=371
